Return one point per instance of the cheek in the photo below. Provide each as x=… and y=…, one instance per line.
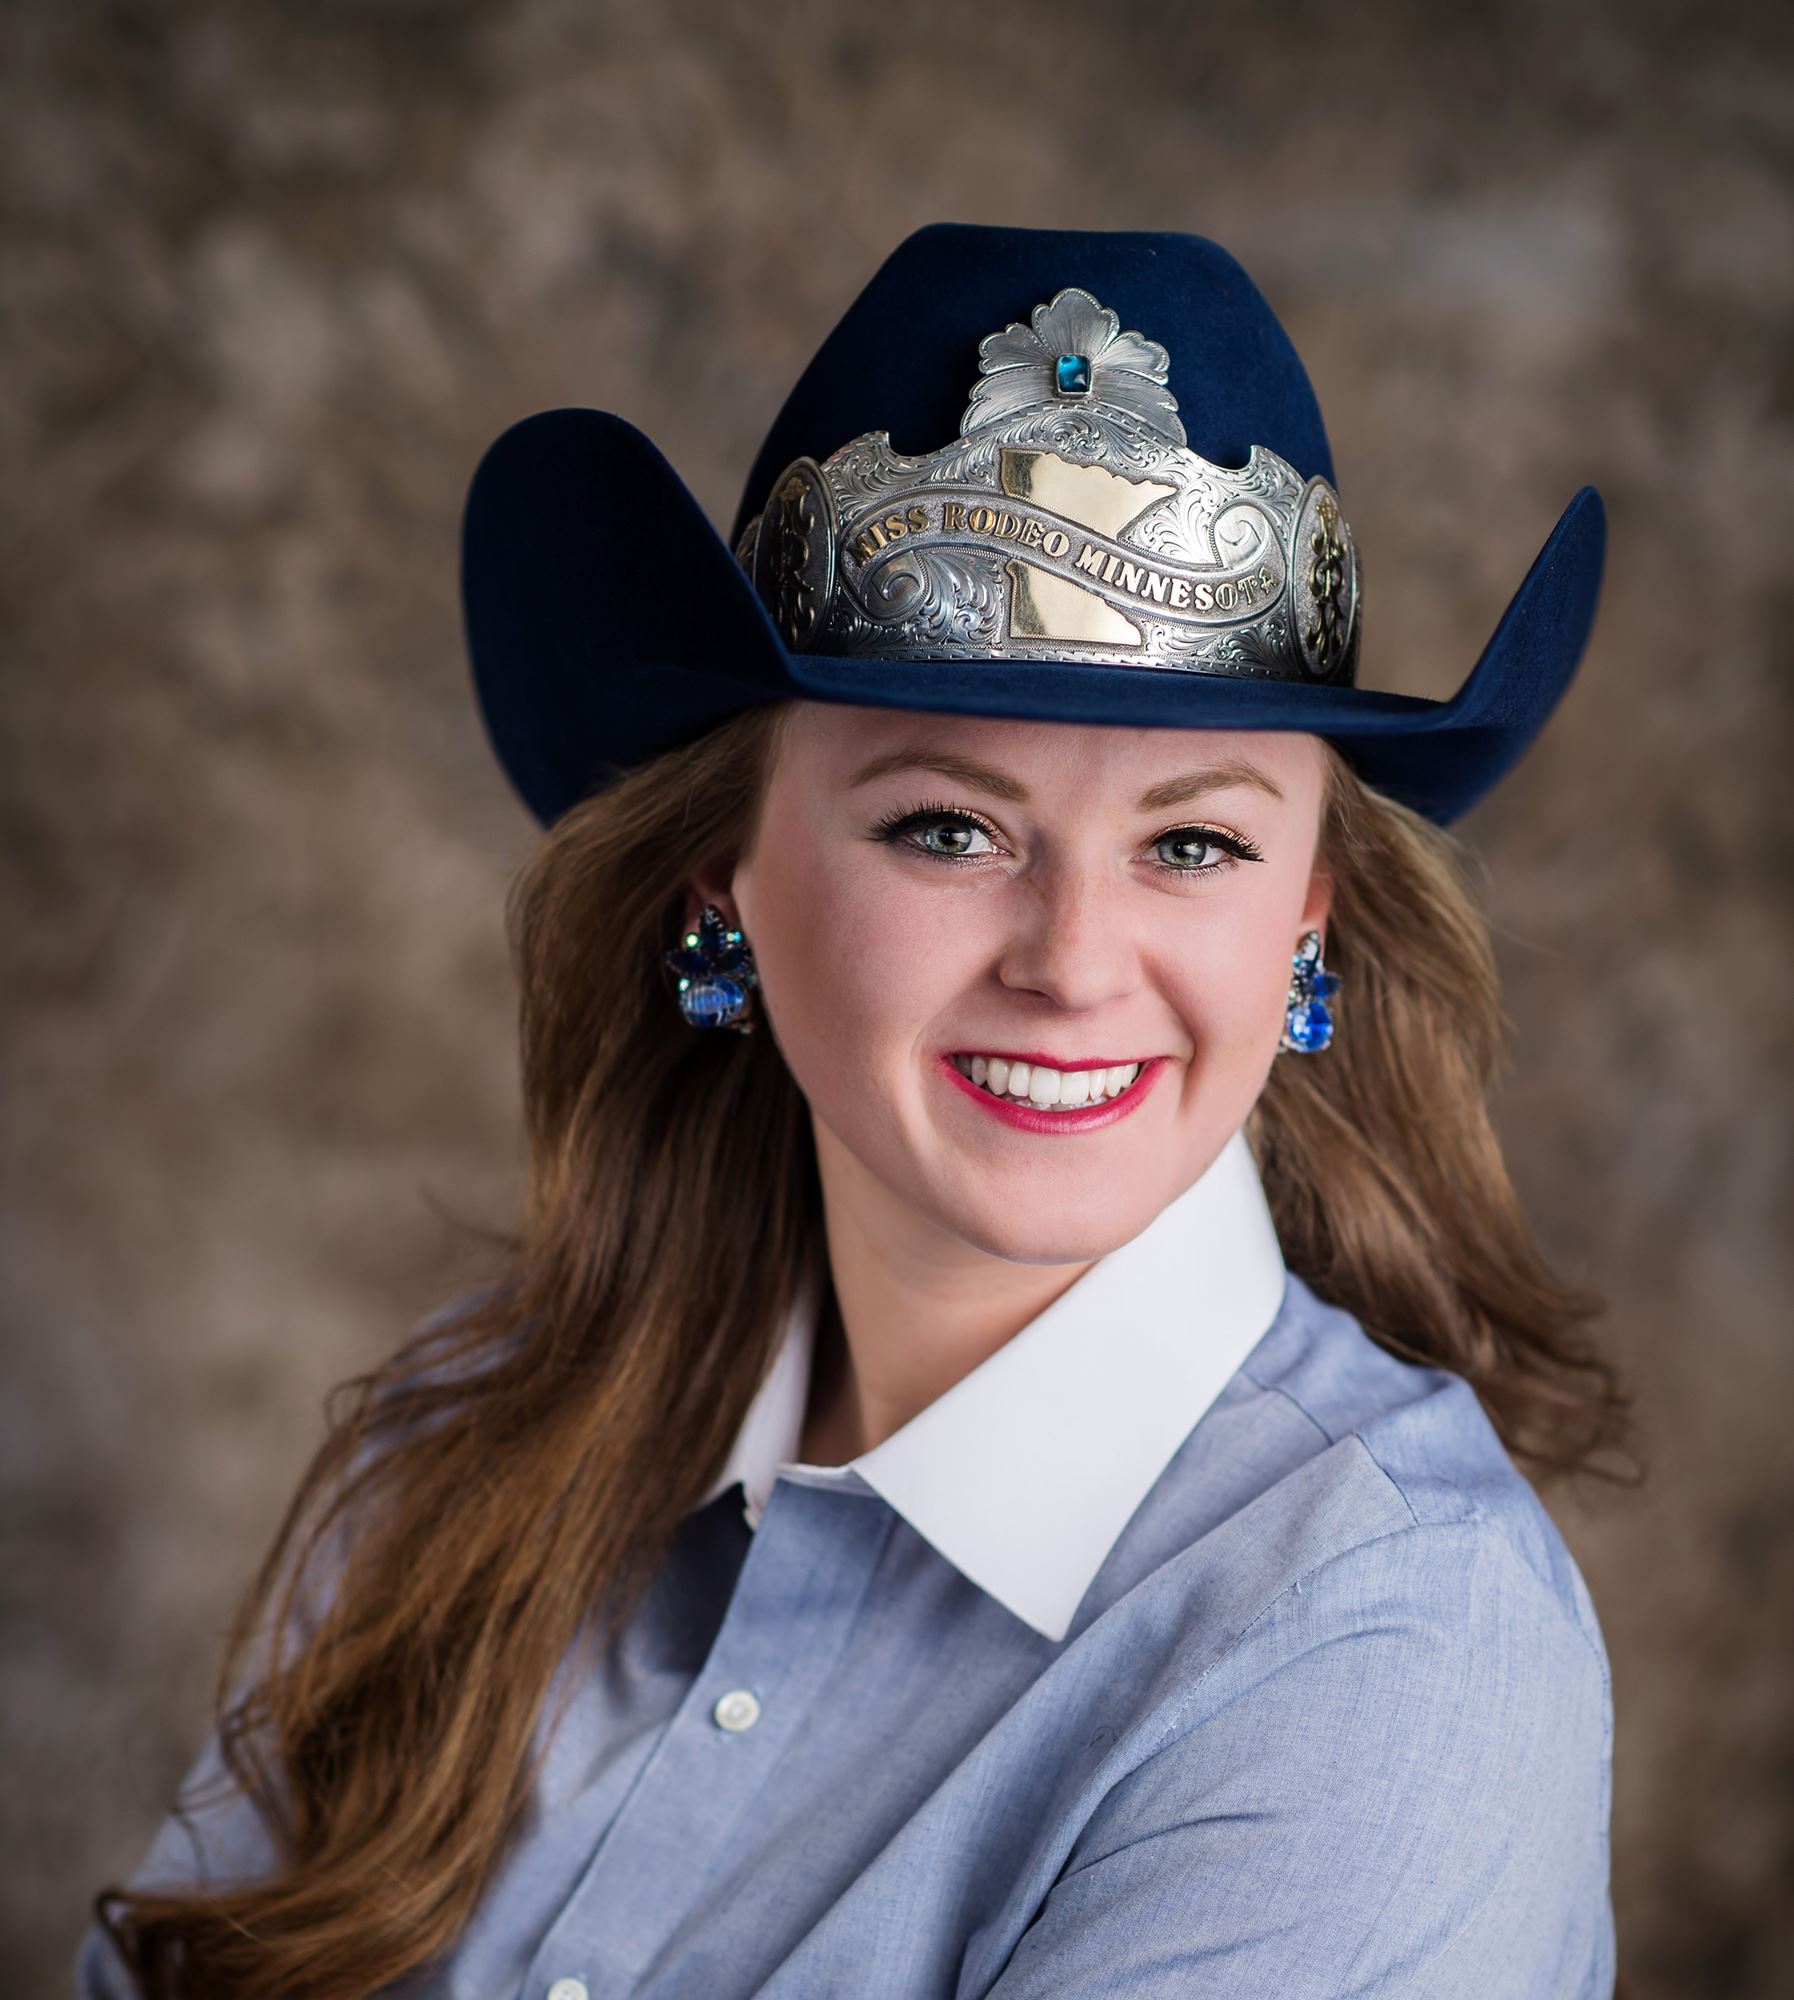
x=1232, y=981
x=854, y=965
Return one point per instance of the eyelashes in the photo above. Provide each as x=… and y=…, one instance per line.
x=905, y=822
x=907, y=825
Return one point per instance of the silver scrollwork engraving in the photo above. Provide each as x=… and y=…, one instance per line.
x=794, y=553
x=1070, y=520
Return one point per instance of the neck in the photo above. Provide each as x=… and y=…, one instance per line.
x=915, y=1310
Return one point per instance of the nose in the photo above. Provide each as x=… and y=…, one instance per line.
x=1070, y=940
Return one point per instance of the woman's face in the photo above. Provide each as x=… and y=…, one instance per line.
x=945, y=908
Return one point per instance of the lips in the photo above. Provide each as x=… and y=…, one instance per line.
x=1043, y=1086
x=1134, y=1081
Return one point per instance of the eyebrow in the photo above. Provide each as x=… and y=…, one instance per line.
x=999, y=784
x=967, y=770
x=1215, y=778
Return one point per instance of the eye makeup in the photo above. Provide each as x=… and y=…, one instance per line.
x=905, y=826
x=902, y=825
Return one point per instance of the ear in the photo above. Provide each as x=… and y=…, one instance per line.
x=713, y=882
x=1319, y=903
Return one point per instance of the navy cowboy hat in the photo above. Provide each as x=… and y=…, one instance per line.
x=607, y=620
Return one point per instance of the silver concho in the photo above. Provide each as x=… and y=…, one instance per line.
x=1069, y=521
x=794, y=553
x=1324, y=586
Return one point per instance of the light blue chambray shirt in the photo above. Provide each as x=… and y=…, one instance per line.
x=1191, y=1645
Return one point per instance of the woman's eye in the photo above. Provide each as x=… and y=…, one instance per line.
x=949, y=833
x=1186, y=846
x=951, y=836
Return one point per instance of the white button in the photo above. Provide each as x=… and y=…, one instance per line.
x=568, y=1989
x=734, y=1711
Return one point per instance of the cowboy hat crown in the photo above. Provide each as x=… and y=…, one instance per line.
x=1058, y=475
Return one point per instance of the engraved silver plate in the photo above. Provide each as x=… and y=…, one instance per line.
x=794, y=558
x=1069, y=521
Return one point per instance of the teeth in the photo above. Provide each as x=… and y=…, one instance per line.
x=1046, y=1089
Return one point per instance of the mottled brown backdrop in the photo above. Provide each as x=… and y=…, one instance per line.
x=272, y=278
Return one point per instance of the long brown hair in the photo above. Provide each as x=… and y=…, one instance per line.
x=500, y=1490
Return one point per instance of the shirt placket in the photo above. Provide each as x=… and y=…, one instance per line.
x=793, y=1608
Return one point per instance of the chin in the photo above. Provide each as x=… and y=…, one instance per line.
x=1066, y=1225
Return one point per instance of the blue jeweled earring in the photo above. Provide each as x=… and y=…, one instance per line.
x=1308, y=1024
x=714, y=970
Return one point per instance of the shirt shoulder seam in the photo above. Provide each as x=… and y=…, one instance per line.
x=1271, y=1603
x=1515, y=1553
x=1354, y=1436
x=1301, y=1408
x=1476, y=1518
x=1472, y=1517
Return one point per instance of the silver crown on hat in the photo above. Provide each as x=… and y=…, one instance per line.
x=1069, y=521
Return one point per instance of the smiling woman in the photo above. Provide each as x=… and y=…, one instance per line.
x=1002, y=1476
x=1050, y=918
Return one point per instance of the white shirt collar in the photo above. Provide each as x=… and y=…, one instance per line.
x=1025, y=1472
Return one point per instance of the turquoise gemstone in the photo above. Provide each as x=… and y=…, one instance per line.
x=1071, y=374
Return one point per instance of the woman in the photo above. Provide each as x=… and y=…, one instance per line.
x=1004, y=1479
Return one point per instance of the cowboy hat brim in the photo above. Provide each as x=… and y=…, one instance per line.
x=607, y=621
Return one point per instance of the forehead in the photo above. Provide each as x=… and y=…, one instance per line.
x=838, y=747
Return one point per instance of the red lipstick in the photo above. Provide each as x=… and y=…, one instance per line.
x=1018, y=1112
